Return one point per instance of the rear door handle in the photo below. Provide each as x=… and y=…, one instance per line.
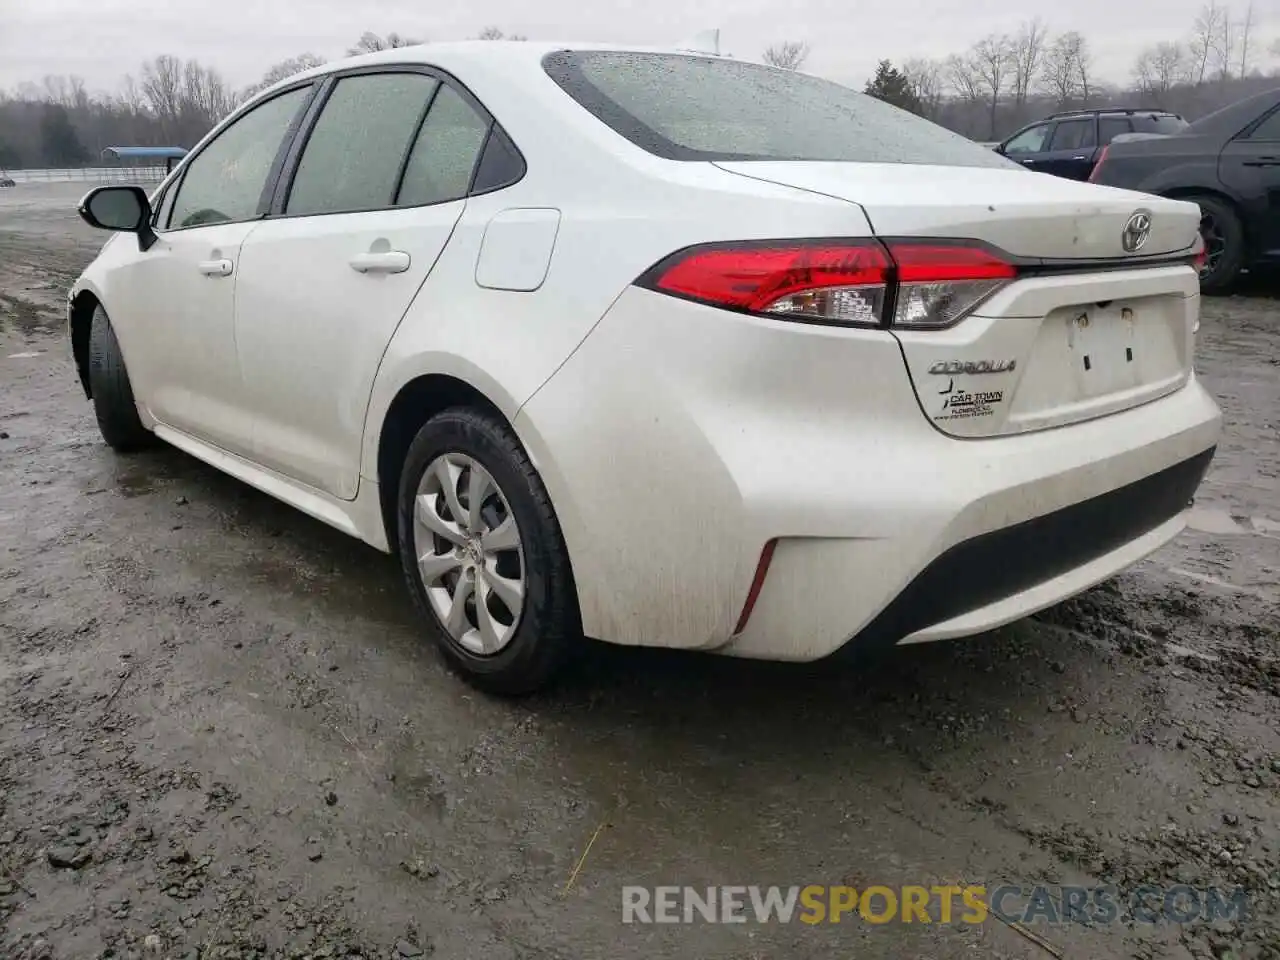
x=1263, y=162
x=389, y=261
x=215, y=268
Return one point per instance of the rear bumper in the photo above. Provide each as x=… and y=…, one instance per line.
x=679, y=440
x=996, y=577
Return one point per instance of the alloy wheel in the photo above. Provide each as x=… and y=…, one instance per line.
x=469, y=554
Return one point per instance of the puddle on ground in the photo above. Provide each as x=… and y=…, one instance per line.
x=1217, y=520
x=135, y=485
x=24, y=356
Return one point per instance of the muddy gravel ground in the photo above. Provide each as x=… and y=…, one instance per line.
x=223, y=735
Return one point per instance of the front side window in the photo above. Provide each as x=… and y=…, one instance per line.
x=352, y=159
x=685, y=107
x=1269, y=129
x=445, y=153
x=224, y=182
x=1030, y=140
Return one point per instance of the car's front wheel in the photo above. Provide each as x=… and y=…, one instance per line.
x=1223, y=236
x=113, y=401
x=483, y=554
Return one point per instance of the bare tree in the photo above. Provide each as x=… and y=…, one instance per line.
x=1224, y=46
x=370, y=42
x=788, y=55
x=283, y=71
x=962, y=76
x=992, y=60
x=1027, y=53
x=1204, y=39
x=1244, y=32
x=1160, y=68
x=162, y=87
x=1068, y=69
x=925, y=77
x=496, y=33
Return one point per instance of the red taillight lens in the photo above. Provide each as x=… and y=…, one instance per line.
x=911, y=283
x=1097, y=164
x=832, y=281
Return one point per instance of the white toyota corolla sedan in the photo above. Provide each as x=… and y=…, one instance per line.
x=657, y=348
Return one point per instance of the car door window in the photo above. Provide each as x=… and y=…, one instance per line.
x=225, y=181
x=1030, y=140
x=1072, y=135
x=1111, y=127
x=446, y=152
x=1269, y=129
x=353, y=157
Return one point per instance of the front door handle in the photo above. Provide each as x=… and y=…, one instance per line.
x=387, y=261
x=215, y=268
x=1263, y=162
x=1080, y=158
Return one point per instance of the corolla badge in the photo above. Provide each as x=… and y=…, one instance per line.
x=949, y=368
x=1136, y=231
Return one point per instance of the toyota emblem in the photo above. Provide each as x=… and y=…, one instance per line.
x=1136, y=232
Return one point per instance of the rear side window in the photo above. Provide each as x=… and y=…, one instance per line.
x=352, y=158
x=1111, y=127
x=224, y=182
x=707, y=108
x=446, y=152
x=1072, y=135
x=1149, y=123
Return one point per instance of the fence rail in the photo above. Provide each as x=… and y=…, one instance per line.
x=121, y=174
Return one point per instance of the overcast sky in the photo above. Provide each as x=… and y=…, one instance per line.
x=102, y=39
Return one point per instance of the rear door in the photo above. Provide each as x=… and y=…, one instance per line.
x=1071, y=149
x=365, y=210
x=1250, y=167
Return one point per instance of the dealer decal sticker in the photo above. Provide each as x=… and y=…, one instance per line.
x=964, y=404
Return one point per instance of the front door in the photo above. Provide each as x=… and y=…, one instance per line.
x=184, y=303
x=378, y=188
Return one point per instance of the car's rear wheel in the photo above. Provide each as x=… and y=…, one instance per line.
x=1223, y=236
x=113, y=401
x=483, y=554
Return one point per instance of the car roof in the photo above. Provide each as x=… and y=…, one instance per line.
x=1126, y=111
x=461, y=54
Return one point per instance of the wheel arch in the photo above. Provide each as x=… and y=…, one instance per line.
x=418, y=398
x=1186, y=193
x=82, y=306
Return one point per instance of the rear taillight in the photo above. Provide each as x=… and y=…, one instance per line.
x=1097, y=164
x=939, y=284
x=909, y=283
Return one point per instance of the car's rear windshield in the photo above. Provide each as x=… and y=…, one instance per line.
x=705, y=108
x=1168, y=124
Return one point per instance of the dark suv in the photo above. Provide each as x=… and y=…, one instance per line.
x=1068, y=144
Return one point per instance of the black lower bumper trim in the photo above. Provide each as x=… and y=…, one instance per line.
x=999, y=564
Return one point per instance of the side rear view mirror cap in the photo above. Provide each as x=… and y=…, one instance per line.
x=122, y=209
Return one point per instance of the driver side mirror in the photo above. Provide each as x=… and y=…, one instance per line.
x=121, y=209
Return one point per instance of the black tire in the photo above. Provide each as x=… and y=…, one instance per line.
x=549, y=629
x=1219, y=218
x=112, y=395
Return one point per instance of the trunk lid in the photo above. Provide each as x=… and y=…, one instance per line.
x=1024, y=213
x=1088, y=330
